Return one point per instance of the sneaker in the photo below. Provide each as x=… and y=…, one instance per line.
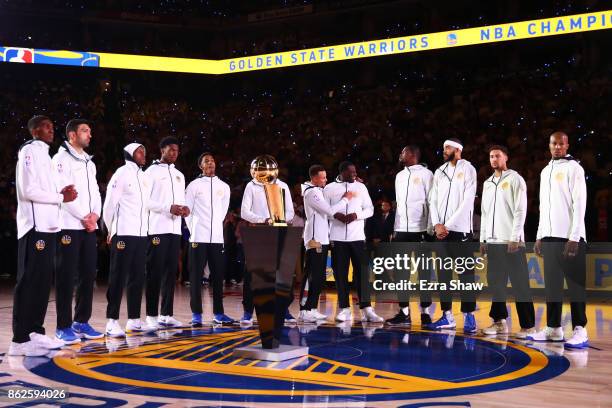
x=307, y=316
x=85, y=331
x=469, y=323
x=67, y=336
x=222, y=318
x=498, y=327
x=369, y=315
x=289, y=317
x=425, y=316
x=344, y=315
x=136, y=326
x=28, y=349
x=524, y=333
x=400, y=319
x=46, y=342
x=196, y=320
x=152, y=321
x=547, y=334
x=113, y=329
x=579, y=339
x=318, y=315
x=247, y=318
x=447, y=321
x=169, y=321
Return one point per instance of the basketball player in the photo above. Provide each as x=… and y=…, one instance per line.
x=166, y=208
x=125, y=215
x=412, y=186
x=38, y=222
x=561, y=241
x=347, y=236
x=451, y=205
x=78, y=248
x=209, y=198
x=503, y=213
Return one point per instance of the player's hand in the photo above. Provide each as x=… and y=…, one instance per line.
x=176, y=210
x=483, y=249
x=69, y=193
x=537, y=247
x=108, y=239
x=349, y=195
x=351, y=217
x=185, y=211
x=571, y=249
x=340, y=217
x=441, y=231
x=513, y=247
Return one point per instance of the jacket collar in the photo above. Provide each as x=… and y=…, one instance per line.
x=160, y=163
x=72, y=152
x=257, y=183
x=132, y=164
x=567, y=157
x=504, y=174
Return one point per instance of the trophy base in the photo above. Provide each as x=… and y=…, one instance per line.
x=280, y=224
x=282, y=353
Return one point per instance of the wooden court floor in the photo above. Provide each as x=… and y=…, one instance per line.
x=362, y=365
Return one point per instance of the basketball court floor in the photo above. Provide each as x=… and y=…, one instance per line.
x=358, y=365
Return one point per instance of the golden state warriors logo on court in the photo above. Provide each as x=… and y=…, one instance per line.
x=120, y=245
x=369, y=363
x=155, y=241
x=40, y=245
x=66, y=239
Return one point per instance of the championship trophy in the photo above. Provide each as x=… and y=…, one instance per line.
x=271, y=251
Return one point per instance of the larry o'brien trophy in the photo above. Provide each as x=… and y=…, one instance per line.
x=271, y=251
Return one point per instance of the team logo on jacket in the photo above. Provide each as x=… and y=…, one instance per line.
x=460, y=176
x=60, y=168
x=40, y=244
x=416, y=180
x=219, y=193
x=194, y=244
x=155, y=241
x=559, y=176
x=120, y=245
x=505, y=185
x=66, y=239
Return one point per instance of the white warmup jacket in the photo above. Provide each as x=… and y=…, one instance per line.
x=503, y=208
x=318, y=213
x=254, y=207
x=451, y=200
x=167, y=189
x=563, y=199
x=412, y=186
x=208, y=198
x=360, y=204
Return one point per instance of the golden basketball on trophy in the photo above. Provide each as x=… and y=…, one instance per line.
x=264, y=169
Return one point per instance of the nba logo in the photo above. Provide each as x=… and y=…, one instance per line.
x=22, y=55
x=451, y=39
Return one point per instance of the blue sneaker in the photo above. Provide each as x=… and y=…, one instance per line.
x=469, y=323
x=222, y=318
x=247, y=318
x=196, y=320
x=289, y=317
x=447, y=321
x=85, y=331
x=67, y=336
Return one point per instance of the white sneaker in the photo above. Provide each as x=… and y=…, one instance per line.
x=547, y=334
x=344, y=315
x=28, y=349
x=369, y=315
x=318, y=315
x=169, y=321
x=152, y=321
x=136, y=325
x=307, y=316
x=113, y=329
x=46, y=342
x=579, y=339
x=524, y=333
x=498, y=327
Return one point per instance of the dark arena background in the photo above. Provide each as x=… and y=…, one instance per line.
x=499, y=88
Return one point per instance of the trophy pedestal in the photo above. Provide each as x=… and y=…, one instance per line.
x=282, y=353
x=270, y=256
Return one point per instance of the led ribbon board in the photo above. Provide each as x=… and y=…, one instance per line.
x=601, y=20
